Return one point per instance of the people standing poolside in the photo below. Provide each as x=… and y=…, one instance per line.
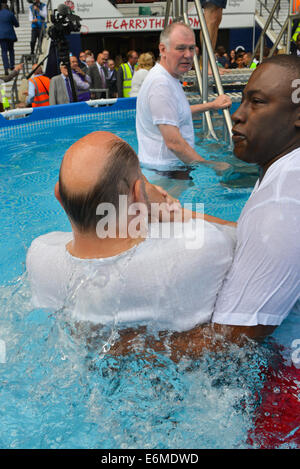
x=145, y=64
x=82, y=80
x=125, y=73
x=7, y=36
x=164, y=121
x=60, y=91
x=38, y=88
x=37, y=17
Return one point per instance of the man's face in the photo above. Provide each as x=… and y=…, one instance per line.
x=105, y=54
x=100, y=59
x=64, y=70
x=264, y=124
x=73, y=62
x=133, y=59
x=90, y=60
x=111, y=64
x=82, y=56
x=178, y=57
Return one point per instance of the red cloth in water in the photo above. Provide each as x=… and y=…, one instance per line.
x=277, y=419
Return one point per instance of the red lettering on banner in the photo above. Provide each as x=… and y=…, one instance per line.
x=196, y=23
x=123, y=24
x=145, y=23
x=151, y=22
x=138, y=24
x=158, y=23
x=131, y=24
x=115, y=24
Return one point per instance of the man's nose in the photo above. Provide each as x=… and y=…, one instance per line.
x=188, y=53
x=240, y=114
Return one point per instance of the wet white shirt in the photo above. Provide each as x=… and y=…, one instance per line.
x=161, y=100
x=166, y=283
x=263, y=283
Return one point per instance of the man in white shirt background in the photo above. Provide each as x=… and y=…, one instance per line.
x=164, y=117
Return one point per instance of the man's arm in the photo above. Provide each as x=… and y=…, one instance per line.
x=214, y=337
x=221, y=102
x=178, y=145
x=158, y=195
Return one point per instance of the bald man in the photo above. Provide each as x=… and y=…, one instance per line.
x=109, y=269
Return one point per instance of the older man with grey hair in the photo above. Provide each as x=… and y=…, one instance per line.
x=164, y=117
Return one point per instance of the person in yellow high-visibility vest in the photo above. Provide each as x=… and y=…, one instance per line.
x=295, y=27
x=4, y=103
x=125, y=74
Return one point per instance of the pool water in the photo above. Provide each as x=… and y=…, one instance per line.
x=57, y=390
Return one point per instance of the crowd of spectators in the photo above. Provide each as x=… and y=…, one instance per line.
x=100, y=76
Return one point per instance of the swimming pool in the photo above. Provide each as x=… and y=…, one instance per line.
x=56, y=391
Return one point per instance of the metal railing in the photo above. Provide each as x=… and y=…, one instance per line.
x=17, y=7
x=285, y=28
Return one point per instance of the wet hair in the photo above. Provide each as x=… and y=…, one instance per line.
x=116, y=179
x=164, y=37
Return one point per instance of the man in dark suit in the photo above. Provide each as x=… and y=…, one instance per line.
x=112, y=79
x=98, y=74
x=7, y=36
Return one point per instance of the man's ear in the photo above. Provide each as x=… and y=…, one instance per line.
x=162, y=49
x=57, y=193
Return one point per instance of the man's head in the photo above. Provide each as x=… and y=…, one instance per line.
x=132, y=57
x=267, y=123
x=63, y=69
x=38, y=71
x=100, y=59
x=73, y=62
x=105, y=55
x=90, y=60
x=240, y=60
x=82, y=56
x=177, y=46
x=97, y=169
x=111, y=64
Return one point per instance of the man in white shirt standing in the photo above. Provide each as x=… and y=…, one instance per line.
x=164, y=117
